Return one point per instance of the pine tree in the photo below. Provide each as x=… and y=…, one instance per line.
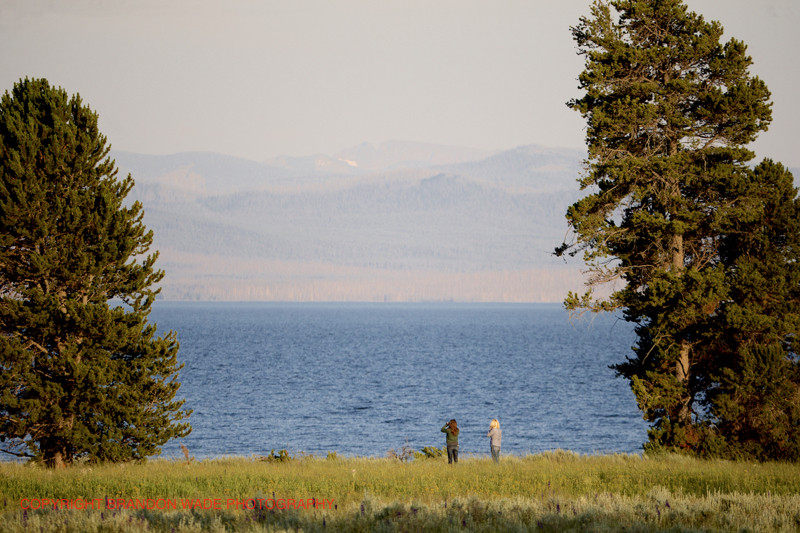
x=80, y=377
x=669, y=110
x=754, y=406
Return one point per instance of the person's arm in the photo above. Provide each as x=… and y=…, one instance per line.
x=446, y=427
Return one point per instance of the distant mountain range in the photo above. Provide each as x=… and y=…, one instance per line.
x=399, y=222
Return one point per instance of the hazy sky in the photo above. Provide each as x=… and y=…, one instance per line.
x=261, y=78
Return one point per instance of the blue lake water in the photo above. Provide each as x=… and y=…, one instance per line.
x=359, y=379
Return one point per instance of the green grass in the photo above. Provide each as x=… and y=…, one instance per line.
x=554, y=491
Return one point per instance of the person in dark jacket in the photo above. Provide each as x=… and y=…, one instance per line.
x=452, y=441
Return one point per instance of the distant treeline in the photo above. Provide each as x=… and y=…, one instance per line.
x=221, y=278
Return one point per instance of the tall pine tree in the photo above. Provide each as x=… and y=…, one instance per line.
x=669, y=109
x=80, y=377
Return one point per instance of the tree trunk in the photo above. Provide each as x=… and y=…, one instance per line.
x=677, y=254
x=58, y=461
x=682, y=373
x=54, y=454
x=682, y=364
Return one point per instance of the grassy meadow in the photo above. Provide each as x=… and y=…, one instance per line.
x=553, y=491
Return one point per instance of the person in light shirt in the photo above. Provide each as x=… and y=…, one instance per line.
x=495, y=434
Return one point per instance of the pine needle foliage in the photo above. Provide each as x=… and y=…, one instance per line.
x=704, y=246
x=80, y=378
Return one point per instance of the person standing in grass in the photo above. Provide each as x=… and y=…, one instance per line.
x=452, y=441
x=495, y=434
